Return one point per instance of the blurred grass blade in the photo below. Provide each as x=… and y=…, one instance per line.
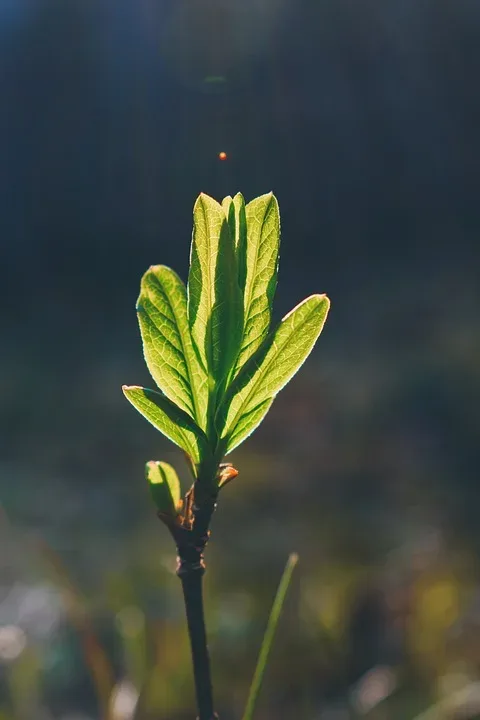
x=167, y=344
x=269, y=636
x=171, y=420
x=215, y=308
x=282, y=353
x=257, y=260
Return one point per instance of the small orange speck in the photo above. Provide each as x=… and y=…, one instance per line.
x=222, y=155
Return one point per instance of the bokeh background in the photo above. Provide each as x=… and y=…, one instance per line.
x=363, y=117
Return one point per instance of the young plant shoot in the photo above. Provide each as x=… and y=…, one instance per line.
x=218, y=364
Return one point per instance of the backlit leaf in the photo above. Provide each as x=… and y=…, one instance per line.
x=172, y=421
x=228, y=209
x=164, y=486
x=214, y=301
x=257, y=258
x=167, y=343
x=280, y=356
x=234, y=209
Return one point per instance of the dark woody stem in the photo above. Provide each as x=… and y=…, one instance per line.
x=192, y=593
x=191, y=537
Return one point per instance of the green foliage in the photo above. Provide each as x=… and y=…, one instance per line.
x=210, y=347
x=269, y=369
x=171, y=420
x=259, y=257
x=164, y=487
x=214, y=299
x=167, y=342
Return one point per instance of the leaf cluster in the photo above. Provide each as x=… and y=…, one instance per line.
x=210, y=345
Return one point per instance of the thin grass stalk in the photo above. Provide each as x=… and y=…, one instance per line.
x=269, y=636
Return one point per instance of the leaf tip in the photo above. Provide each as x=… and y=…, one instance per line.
x=325, y=301
x=317, y=298
x=164, y=487
x=156, y=479
x=204, y=199
x=270, y=198
x=130, y=388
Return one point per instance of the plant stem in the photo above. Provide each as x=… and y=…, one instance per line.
x=192, y=593
x=191, y=538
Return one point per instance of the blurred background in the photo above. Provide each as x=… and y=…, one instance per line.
x=363, y=117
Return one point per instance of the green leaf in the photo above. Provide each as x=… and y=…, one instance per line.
x=164, y=486
x=228, y=209
x=167, y=344
x=247, y=423
x=237, y=221
x=214, y=301
x=172, y=421
x=241, y=239
x=250, y=395
x=257, y=259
